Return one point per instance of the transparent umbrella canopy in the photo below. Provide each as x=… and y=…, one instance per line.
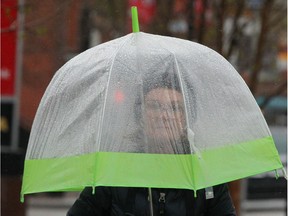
x=146, y=110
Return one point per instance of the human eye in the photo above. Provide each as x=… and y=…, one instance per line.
x=176, y=108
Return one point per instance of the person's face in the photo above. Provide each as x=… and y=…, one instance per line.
x=164, y=115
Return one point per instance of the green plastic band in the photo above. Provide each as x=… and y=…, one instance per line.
x=135, y=23
x=215, y=166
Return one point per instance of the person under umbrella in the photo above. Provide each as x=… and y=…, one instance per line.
x=84, y=133
x=160, y=114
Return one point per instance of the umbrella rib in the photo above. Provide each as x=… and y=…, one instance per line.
x=99, y=136
x=190, y=132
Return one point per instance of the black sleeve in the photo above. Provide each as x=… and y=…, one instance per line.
x=221, y=204
x=89, y=204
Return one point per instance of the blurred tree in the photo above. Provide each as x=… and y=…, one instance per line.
x=242, y=32
x=268, y=20
x=163, y=17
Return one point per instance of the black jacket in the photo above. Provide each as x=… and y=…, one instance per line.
x=112, y=201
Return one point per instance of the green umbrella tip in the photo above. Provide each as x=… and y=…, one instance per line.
x=135, y=23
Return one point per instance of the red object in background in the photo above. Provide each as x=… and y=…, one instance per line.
x=146, y=10
x=198, y=7
x=180, y=7
x=8, y=46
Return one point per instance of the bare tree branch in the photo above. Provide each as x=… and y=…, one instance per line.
x=220, y=15
x=50, y=17
x=202, y=24
x=265, y=13
x=163, y=15
x=235, y=29
x=190, y=19
x=277, y=20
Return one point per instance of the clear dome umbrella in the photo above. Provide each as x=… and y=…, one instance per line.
x=149, y=111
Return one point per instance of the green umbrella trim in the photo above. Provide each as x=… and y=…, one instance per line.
x=214, y=166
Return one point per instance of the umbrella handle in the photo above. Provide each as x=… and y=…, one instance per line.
x=150, y=201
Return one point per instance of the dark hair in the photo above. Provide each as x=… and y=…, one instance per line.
x=165, y=80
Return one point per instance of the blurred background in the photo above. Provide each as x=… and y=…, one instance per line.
x=38, y=37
